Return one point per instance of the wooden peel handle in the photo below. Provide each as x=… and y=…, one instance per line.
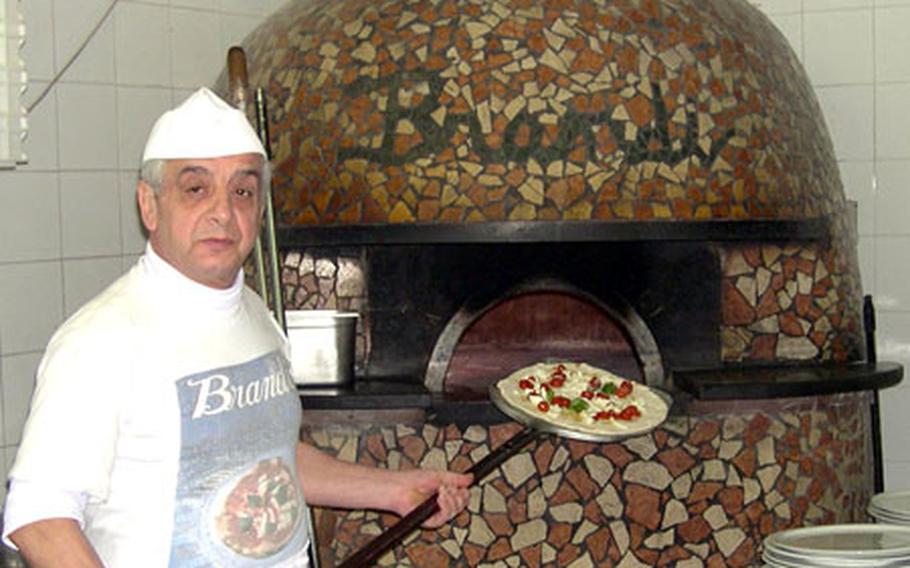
x=237, y=76
x=371, y=552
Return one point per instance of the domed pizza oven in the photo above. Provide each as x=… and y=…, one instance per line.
x=645, y=185
x=452, y=153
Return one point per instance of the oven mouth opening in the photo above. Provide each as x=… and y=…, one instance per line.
x=545, y=319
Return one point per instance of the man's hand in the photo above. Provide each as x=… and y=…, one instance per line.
x=418, y=485
x=330, y=482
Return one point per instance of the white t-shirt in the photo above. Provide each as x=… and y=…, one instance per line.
x=171, y=406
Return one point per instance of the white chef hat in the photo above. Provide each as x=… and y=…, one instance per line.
x=203, y=126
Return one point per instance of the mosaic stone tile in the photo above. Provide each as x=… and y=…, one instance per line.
x=793, y=303
x=665, y=509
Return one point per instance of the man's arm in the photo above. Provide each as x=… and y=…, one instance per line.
x=327, y=481
x=55, y=543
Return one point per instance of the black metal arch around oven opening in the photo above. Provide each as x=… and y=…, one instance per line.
x=618, y=309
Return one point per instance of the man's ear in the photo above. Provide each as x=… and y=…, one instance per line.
x=148, y=206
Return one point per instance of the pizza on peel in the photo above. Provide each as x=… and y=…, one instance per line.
x=580, y=398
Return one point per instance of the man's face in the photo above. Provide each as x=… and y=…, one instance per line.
x=205, y=219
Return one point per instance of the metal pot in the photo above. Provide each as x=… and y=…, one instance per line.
x=322, y=346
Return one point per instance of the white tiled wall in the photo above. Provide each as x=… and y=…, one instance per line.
x=68, y=218
x=69, y=222
x=857, y=55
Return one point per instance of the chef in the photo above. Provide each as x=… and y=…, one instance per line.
x=164, y=425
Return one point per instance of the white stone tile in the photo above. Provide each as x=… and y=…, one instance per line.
x=892, y=121
x=88, y=126
x=18, y=385
x=892, y=272
x=132, y=232
x=128, y=261
x=897, y=475
x=791, y=26
x=838, y=47
x=31, y=305
x=892, y=44
x=848, y=111
x=235, y=28
x=859, y=185
x=778, y=6
x=9, y=455
x=197, y=55
x=41, y=142
x=137, y=110
x=142, y=44
x=822, y=5
x=274, y=5
x=892, y=198
x=90, y=203
x=73, y=24
x=30, y=216
x=4, y=466
x=865, y=249
x=258, y=8
x=95, y=64
x=210, y=5
x=180, y=94
x=83, y=279
x=38, y=51
x=894, y=404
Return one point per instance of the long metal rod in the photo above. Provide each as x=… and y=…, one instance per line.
x=266, y=272
x=262, y=124
x=371, y=552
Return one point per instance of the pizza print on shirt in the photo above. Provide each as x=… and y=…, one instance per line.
x=238, y=500
x=260, y=512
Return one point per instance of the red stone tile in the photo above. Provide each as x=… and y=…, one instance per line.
x=567, y=555
x=430, y=556
x=746, y=461
x=716, y=561
x=542, y=456
x=672, y=555
x=732, y=499
x=413, y=447
x=789, y=324
x=694, y=530
x=499, y=523
x=736, y=309
x=767, y=304
x=704, y=431
x=752, y=256
x=531, y=556
x=564, y=494
x=499, y=550
x=617, y=454
x=582, y=482
x=643, y=505
x=473, y=553
x=703, y=490
x=676, y=460
x=763, y=347
x=559, y=534
x=597, y=543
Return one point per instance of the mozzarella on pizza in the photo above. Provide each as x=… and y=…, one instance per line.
x=579, y=397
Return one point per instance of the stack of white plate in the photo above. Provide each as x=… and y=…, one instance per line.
x=892, y=507
x=841, y=546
